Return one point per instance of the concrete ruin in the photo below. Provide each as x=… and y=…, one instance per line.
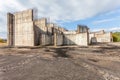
x=100, y=37
x=24, y=29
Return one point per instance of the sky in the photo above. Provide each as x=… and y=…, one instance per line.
x=96, y=14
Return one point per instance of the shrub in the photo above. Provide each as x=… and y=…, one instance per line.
x=2, y=41
x=116, y=37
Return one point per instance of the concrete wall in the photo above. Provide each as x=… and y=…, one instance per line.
x=106, y=37
x=24, y=28
x=76, y=39
x=69, y=39
x=59, y=39
x=99, y=32
x=100, y=37
x=92, y=38
x=41, y=24
x=43, y=32
x=70, y=32
x=82, y=39
x=45, y=39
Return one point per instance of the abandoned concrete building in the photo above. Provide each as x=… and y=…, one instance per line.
x=26, y=30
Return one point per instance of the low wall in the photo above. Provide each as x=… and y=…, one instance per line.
x=76, y=39
x=105, y=37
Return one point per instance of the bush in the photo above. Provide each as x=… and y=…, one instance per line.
x=2, y=41
x=116, y=37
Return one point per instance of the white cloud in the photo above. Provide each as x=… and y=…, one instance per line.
x=102, y=21
x=3, y=35
x=58, y=9
x=114, y=29
x=111, y=12
x=97, y=29
x=107, y=29
x=61, y=9
x=105, y=20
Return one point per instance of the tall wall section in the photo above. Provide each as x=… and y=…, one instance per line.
x=43, y=32
x=24, y=28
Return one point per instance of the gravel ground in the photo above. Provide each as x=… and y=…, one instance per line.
x=98, y=62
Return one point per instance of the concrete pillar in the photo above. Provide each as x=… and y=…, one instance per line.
x=111, y=37
x=10, y=25
x=55, y=39
x=82, y=29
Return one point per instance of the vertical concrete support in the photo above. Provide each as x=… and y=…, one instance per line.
x=55, y=39
x=10, y=26
x=111, y=36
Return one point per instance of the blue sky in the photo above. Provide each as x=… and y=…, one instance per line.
x=109, y=21
x=96, y=14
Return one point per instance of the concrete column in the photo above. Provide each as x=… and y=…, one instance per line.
x=10, y=25
x=55, y=39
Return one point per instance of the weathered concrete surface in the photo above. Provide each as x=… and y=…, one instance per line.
x=106, y=37
x=76, y=39
x=59, y=39
x=21, y=29
x=98, y=62
x=46, y=39
x=10, y=23
x=100, y=36
x=24, y=34
x=41, y=24
x=24, y=28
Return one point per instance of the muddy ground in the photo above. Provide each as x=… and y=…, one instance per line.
x=96, y=62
